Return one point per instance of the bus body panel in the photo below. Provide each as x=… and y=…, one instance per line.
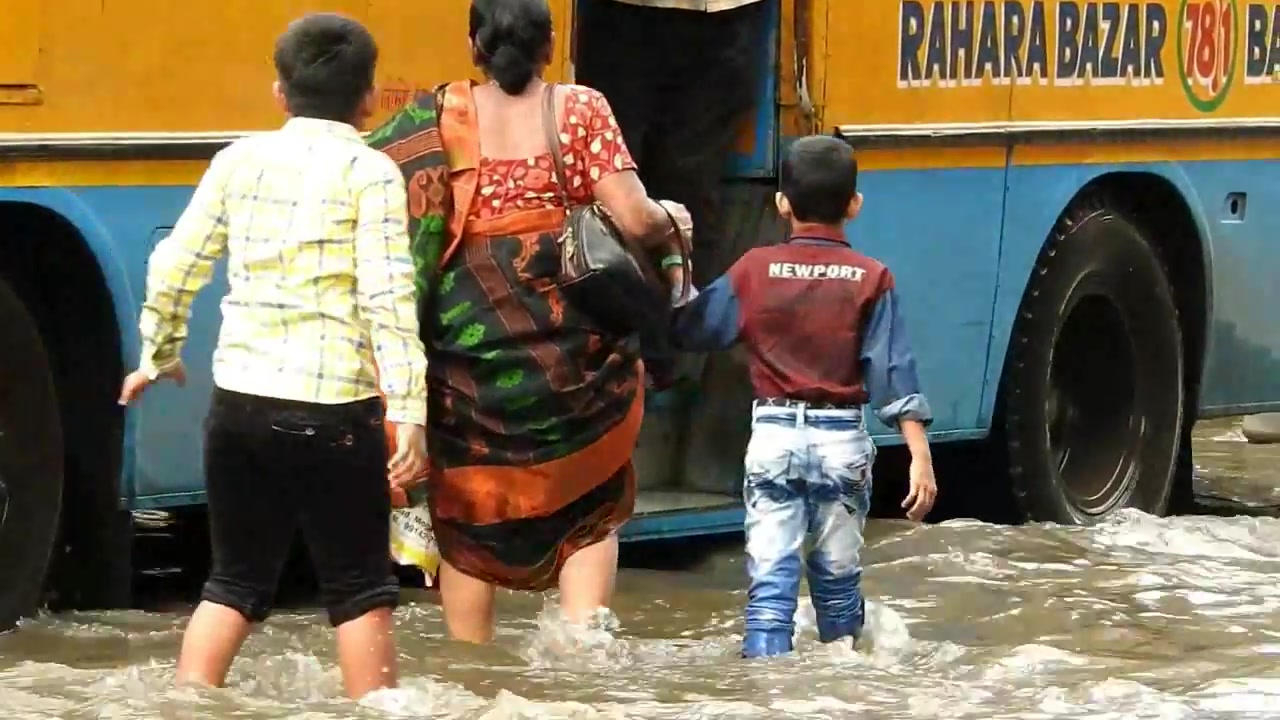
x=1187, y=91
x=938, y=231
x=1242, y=373
x=153, y=66
x=20, y=38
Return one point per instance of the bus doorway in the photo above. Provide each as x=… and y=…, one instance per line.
x=694, y=90
x=694, y=94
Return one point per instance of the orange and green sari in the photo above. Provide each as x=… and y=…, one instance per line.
x=532, y=412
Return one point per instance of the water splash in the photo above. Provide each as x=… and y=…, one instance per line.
x=590, y=646
x=1139, y=617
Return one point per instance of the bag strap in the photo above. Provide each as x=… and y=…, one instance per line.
x=551, y=129
x=686, y=254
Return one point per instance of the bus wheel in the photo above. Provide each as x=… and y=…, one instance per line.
x=1093, y=394
x=30, y=462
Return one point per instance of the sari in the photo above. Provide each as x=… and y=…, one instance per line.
x=533, y=413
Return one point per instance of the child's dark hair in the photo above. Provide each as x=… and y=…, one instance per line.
x=819, y=178
x=512, y=40
x=326, y=63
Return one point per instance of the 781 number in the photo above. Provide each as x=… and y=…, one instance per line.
x=1210, y=26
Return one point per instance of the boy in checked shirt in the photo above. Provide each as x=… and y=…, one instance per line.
x=313, y=224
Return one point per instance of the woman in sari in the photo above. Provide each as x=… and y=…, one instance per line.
x=533, y=413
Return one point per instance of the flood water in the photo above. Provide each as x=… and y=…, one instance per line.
x=1137, y=618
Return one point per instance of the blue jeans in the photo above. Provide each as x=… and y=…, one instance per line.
x=808, y=473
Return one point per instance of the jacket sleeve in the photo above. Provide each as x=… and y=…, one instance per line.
x=889, y=365
x=711, y=319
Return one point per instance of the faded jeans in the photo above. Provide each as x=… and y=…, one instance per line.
x=808, y=474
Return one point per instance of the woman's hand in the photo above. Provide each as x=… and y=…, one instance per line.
x=683, y=220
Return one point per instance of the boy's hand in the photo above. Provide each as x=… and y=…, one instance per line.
x=924, y=490
x=410, y=459
x=139, y=380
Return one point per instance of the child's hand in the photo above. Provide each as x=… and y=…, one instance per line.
x=409, y=461
x=924, y=490
x=139, y=380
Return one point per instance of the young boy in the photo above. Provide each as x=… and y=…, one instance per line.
x=821, y=326
x=314, y=226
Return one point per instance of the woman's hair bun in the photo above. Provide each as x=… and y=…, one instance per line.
x=512, y=39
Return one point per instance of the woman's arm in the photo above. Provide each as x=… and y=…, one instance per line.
x=636, y=215
x=663, y=228
x=610, y=172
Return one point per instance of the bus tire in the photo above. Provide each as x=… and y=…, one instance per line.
x=1093, y=394
x=30, y=462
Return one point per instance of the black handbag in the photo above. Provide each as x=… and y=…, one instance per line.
x=603, y=273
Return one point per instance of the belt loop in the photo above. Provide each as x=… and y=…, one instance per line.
x=755, y=411
x=800, y=414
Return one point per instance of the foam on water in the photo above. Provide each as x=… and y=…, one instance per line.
x=1137, y=618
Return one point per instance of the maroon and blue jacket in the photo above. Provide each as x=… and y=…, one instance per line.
x=820, y=323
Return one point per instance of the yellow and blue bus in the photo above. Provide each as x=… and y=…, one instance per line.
x=1080, y=199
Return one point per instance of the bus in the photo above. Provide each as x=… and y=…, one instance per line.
x=1080, y=200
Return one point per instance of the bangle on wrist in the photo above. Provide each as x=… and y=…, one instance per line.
x=673, y=260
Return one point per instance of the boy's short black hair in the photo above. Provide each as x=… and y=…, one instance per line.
x=325, y=63
x=819, y=178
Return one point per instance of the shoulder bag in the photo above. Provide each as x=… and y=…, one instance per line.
x=603, y=273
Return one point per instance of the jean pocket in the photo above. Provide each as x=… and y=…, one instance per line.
x=768, y=462
x=306, y=426
x=846, y=459
x=371, y=413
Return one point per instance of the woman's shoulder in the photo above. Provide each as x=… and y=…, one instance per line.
x=584, y=96
x=581, y=90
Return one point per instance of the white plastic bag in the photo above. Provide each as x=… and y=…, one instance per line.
x=412, y=541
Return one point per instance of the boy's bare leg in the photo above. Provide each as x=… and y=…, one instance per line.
x=468, y=605
x=587, y=580
x=212, y=639
x=367, y=653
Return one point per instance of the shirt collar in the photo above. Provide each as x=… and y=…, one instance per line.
x=818, y=231
x=316, y=126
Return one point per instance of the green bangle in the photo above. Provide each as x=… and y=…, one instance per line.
x=671, y=261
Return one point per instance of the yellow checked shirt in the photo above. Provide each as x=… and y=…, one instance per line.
x=314, y=226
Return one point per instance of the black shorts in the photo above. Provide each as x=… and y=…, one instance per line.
x=274, y=467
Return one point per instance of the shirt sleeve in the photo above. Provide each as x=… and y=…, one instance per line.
x=599, y=140
x=385, y=291
x=712, y=319
x=180, y=265
x=889, y=365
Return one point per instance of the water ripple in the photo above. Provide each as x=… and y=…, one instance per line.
x=1134, y=618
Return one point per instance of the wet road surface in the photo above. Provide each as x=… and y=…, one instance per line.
x=1136, y=618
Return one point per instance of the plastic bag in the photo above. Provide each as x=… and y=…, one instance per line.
x=412, y=541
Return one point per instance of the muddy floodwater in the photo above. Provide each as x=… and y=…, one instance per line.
x=1137, y=618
